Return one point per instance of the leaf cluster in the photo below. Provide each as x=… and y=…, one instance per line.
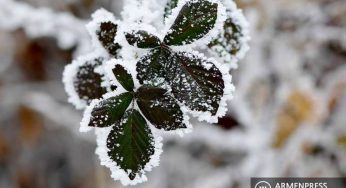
x=160, y=90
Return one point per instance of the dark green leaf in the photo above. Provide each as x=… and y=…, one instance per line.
x=229, y=40
x=142, y=39
x=87, y=82
x=194, y=81
x=123, y=77
x=130, y=143
x=199, y=87
x=161, y=109
x=171, y=4
x=150, y=67
x=110, y=110
x=106, y=35
x=194, y=21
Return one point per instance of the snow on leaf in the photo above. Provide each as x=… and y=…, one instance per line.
x=142, y=39
x=123, y=77
x=130, y=143
x=82, y=82
x=195, y=81
x=109, y=111
x=194, y=21
x=150, y=68
x=116, y=171
x=160, y=108
x=231, y=44
x=106, y=35
x=88, y=82
x=230, y=39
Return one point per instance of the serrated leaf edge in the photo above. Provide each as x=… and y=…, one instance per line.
x=116, y=172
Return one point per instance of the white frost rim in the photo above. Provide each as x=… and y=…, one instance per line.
x=69, y=76
x=117, y=172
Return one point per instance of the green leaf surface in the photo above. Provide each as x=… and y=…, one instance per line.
x=123, y=77
x=170, y=5
x=110, y=110
x=130, y=143
x=150, y=67
x=229, y=39
x=194, y=84
x=87, y=82
x=161, y=109
x=106, y=36
x=142, y=39
x=194, y=81
x=194, y=21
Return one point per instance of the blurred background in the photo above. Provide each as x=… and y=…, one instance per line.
x=288, y=117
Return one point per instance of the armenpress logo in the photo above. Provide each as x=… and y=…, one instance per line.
x=263, y=184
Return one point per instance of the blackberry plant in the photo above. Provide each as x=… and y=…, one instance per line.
x=149, y=74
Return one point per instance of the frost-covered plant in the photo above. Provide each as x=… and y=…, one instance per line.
x=140, y=83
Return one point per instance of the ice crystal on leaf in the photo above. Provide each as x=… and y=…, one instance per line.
x=130, y=143
x=106, y=35
x=82, y=82
x=232, y=41
x=139, y=83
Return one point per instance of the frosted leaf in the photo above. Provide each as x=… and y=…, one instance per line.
x=231, y=44
x=194, y=21
x=142, y=39
x=116, y=171
x=106, y=34
x=110, y=110
x=130, y=143
x=199, y=84
x=123, y=77
x=82, y=82
x=160, y=108
x=195, y=81
x=229, y=41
